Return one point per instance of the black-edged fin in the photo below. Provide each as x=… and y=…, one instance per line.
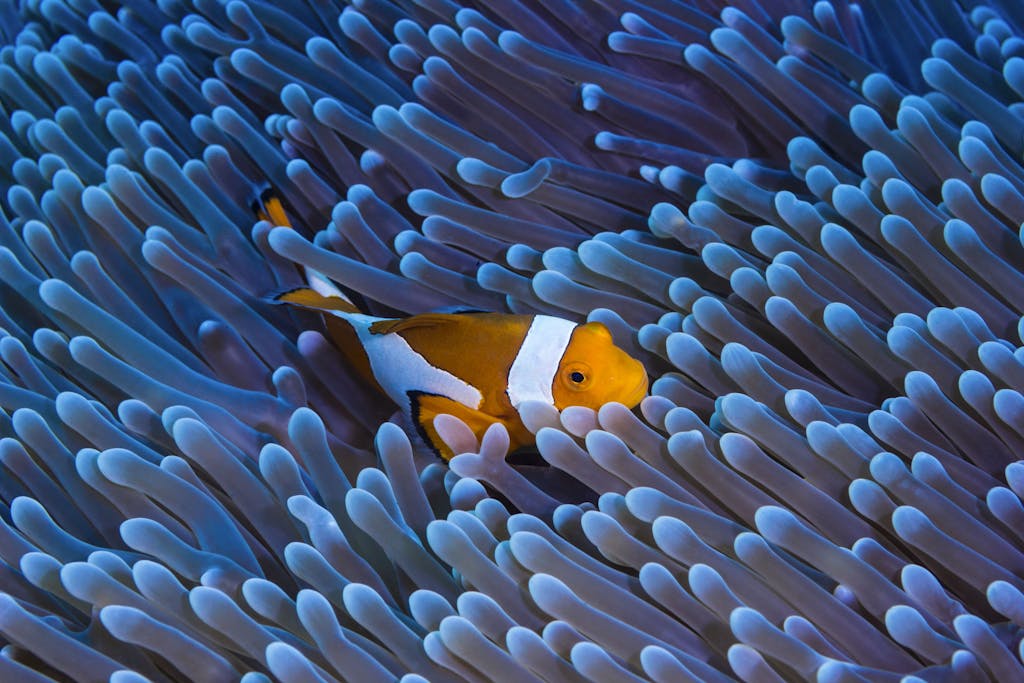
x=423, y=422
x=268, y=207
x=307, y=297
x=423, y=408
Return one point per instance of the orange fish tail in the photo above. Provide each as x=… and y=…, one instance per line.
x=268, y=207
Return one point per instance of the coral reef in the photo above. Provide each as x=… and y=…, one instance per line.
x=803, y=217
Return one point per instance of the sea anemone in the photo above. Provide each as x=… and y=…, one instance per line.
x=803, y=219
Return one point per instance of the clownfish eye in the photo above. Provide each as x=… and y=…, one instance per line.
x=576, y=376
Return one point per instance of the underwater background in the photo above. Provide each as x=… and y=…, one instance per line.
x=803, y=217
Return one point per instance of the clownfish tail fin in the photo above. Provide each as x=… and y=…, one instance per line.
x=324, y=286
x=268, y=207
x=307, y=297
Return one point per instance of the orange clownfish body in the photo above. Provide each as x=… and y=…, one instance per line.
x=479, y=367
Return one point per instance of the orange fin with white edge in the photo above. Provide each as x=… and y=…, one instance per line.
x=268, y=207
x=425, y=407
x=307, y=297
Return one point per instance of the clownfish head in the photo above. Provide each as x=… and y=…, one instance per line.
x=594, y=371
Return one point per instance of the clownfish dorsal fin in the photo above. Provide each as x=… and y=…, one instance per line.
x=399, y=325
x=307, y=297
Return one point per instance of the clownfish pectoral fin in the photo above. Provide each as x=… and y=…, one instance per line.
x=425, y=407
x=307, y=297
x=268, y=207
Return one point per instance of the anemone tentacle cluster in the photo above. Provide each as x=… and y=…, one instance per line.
x=805, y=218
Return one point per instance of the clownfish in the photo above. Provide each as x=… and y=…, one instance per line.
x=479, y=367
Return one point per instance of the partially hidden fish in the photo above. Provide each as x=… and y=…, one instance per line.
x=478, y=367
